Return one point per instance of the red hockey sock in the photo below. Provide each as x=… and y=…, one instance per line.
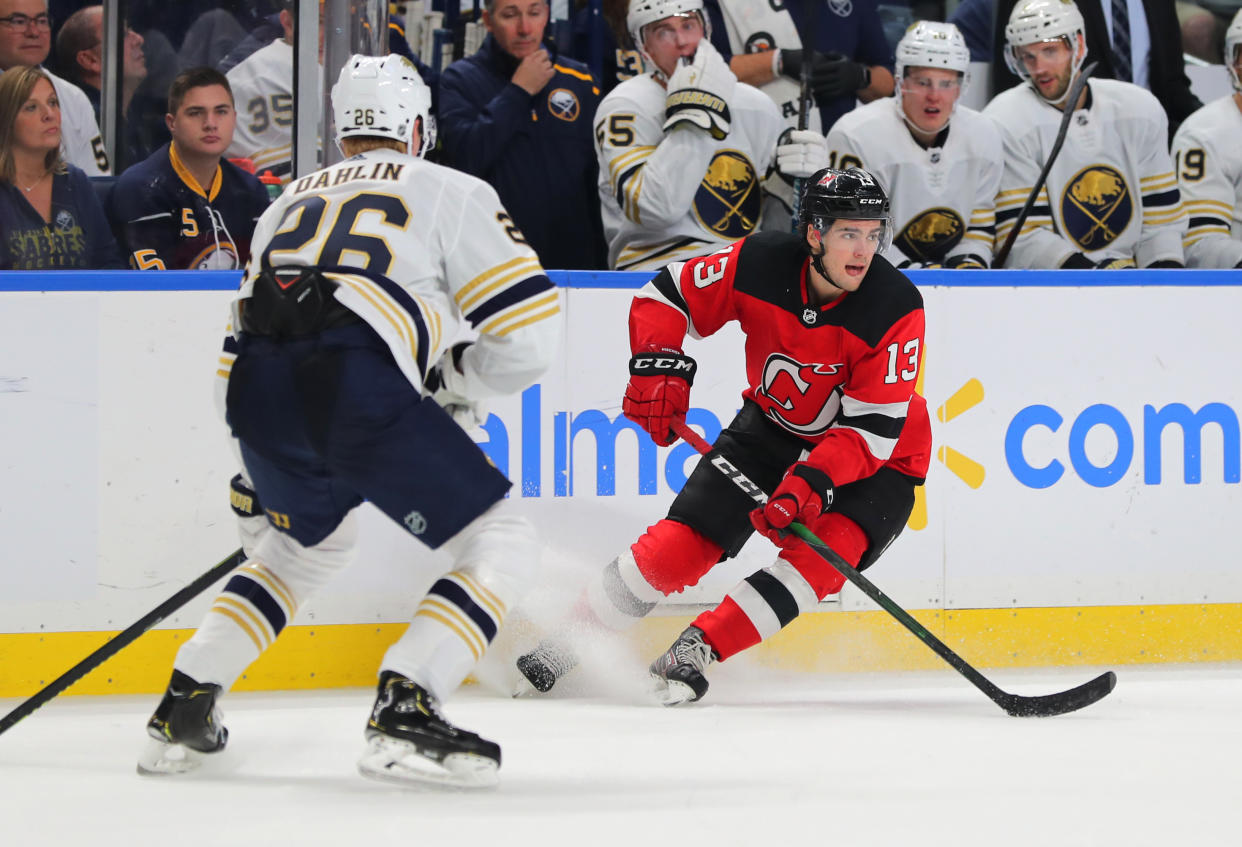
x=727, y=629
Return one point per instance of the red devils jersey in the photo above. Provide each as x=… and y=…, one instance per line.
x=841, y=376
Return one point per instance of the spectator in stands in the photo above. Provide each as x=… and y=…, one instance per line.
x=50, y=216
x=519, y=116
x=186, y=207
x=1209, y=169
x=682, y=149
x=79, y=56
x=939, y=161
x=1151, y=56
x=766, y=40
x=601, y=42
x=1111, y=198
x=26, y=39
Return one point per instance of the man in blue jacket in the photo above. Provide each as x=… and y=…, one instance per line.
x=520, y=117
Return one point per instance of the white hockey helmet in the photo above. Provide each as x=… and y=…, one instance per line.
x=931, y=44
x=1233, y=40
x=382, y=96
x=644, y=12
x=1035, y=21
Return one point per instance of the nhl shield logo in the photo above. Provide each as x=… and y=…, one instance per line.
x=415, y=523
x=728, y=199
x=1096, y=207
x=809, y=316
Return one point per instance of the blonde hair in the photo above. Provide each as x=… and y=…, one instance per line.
x=363, y=143
x=16, y=85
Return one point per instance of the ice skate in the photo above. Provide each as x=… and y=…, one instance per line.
x=544, y=665
x=185, y=727
x=678, y=673
x=409, y=741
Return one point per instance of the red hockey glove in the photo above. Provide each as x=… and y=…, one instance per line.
x=659, y=391
x=803, y=495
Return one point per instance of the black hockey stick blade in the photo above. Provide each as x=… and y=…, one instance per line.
x=1049, y=705
x=122, y=640
x=1071, y=101
x=1014, y=704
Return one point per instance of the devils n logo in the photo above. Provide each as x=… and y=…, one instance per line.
x=801, y=398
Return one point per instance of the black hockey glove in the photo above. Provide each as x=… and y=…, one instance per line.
x=1079, y=262
x=839, y=76
x=965, y=261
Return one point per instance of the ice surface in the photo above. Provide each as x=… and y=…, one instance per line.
x=767, y=759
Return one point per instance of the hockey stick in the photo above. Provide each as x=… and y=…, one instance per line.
x=804, y=101
x=1071, y=102
x=122, y=640
x=1015, y=704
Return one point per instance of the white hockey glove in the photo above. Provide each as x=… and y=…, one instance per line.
x=801, y=152
x=444, y=383
x=699, y=93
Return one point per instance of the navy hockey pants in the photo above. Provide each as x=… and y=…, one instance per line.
x=329, y=420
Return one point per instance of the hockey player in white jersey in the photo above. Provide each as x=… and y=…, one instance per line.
x=341, y=378
x=682, y=149
x=1209, y=170
x=262, y=86
x=940, y=161
x=26, y=39
x=1111, y=198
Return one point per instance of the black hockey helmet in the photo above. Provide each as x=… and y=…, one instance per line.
x=852, y=194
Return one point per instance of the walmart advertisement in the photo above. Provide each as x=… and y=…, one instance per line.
x=1086, y=452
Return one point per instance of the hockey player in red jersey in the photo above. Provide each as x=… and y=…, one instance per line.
x=830, y=424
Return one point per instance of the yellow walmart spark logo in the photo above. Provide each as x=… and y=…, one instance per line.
x=960, y=465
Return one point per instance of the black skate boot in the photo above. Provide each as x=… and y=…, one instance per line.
x=186, y=723
x=547, y=663
x=678, y=673
x=410, y=741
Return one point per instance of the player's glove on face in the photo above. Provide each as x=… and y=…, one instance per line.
x=803, y=495
x=801, y=152
x=840, y=76
x=699, y=93
x=659, y=391
x=444, y=382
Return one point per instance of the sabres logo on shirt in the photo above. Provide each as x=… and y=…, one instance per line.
x=728, y=199
x=930, y=234
x=1096, y=207
x=760, y=42
x=563, y=104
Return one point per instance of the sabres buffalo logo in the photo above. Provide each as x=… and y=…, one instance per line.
x=931, y=234
x=728, y=199
x=801, y=398
x=563, y=104
x=1096, y=207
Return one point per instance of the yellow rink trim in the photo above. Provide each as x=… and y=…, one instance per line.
x=348, y=655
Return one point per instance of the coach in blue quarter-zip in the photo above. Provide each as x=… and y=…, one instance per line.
x=519, y=116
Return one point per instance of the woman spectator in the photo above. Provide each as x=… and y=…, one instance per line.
x=50, y=216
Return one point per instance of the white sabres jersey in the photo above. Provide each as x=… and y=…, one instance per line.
x=943, y=198
x=263, y=93
x=441, y=256
x=668, y=196
x=1209, y=173
x=756, y=27
x=1111, y=194
x=80, y=138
